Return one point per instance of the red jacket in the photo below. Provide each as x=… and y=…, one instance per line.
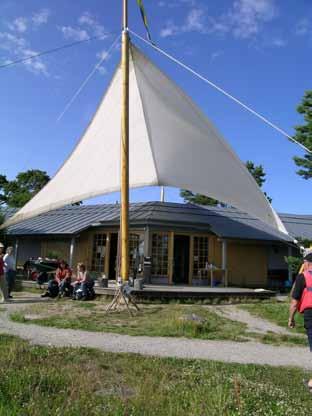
x=306, y=298
x=62, y=274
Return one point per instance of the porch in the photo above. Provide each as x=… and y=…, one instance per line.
x=184, y=292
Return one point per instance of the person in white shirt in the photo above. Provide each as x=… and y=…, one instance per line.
x=9, y=269
x=3, y=285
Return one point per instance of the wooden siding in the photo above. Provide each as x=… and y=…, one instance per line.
x=215, y=251
x=247, y=265
x=83, y=250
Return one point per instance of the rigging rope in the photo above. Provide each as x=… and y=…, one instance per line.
x=104, y=57
x=48, y=51
x=221, y=90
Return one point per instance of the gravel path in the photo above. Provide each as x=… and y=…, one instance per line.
x=254, y=324
x=232, y=352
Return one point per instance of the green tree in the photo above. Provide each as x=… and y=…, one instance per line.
x=304, y=136
x=259, y=175
x=3, y=184
x=256, y=171
x=2, y=232
x=18, y=192
x=199, y=199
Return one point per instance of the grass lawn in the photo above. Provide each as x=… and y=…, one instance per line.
x=276, y=312
x=41, y=381
x=169, y=320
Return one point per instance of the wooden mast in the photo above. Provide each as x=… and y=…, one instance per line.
x=124, y=146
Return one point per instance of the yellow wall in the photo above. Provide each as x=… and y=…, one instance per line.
x=215, y=251
x=247, y=265
x=83, y=249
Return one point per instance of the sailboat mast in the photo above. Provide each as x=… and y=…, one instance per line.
x=124, y=157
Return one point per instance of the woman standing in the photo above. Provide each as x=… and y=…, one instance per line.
x=3, y=286
x=9, y=269
x=301, y=301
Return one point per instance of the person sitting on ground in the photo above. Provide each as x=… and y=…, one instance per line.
x=60, y=284
x=63, y=276
x=83, y=281
x=301, y=301
x=9, y=270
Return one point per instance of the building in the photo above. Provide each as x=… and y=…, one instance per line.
x=170, y=243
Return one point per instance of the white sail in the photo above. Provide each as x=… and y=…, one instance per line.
x=172, y=143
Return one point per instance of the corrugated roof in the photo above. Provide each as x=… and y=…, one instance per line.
x=299, y=226
x=224, y=222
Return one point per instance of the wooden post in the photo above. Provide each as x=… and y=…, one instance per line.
x=16, y=253
x=224, y=263
x=191, y=266
x=289, y=268
x=107, y=255
x=171, y=258
x=124, y=147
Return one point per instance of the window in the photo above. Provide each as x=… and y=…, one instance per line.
x=98, y=253
x=201, y=256
x=160, y=254
x=135, y=252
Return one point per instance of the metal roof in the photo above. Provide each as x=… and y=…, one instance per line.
x=299, y=226
x=224, y=222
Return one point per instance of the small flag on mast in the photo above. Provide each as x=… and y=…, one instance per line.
x=144, y=18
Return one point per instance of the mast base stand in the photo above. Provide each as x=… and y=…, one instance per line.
x=122, y=298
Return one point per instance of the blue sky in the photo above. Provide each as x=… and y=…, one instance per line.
x=258, y=50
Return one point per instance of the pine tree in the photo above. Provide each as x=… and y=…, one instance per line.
x=304, y=136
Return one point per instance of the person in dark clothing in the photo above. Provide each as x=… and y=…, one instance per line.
x=301, y=301
x=63, y=276
x=60, y=284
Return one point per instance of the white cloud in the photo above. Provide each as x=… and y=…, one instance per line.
x=102, y=70
x=303, y=27
x=247, y=16
x=18, y=48
x=216, y=55
x=195, y=22
x=41, y=17
x=104, y=55
x=9, y=42
x=170, y=29
x=18, y=25
x=87, y=19
x=244, y=20
x=278, y=42
x=177, y=3
x=35, y=65
x=88, y=26
x=74, y=34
